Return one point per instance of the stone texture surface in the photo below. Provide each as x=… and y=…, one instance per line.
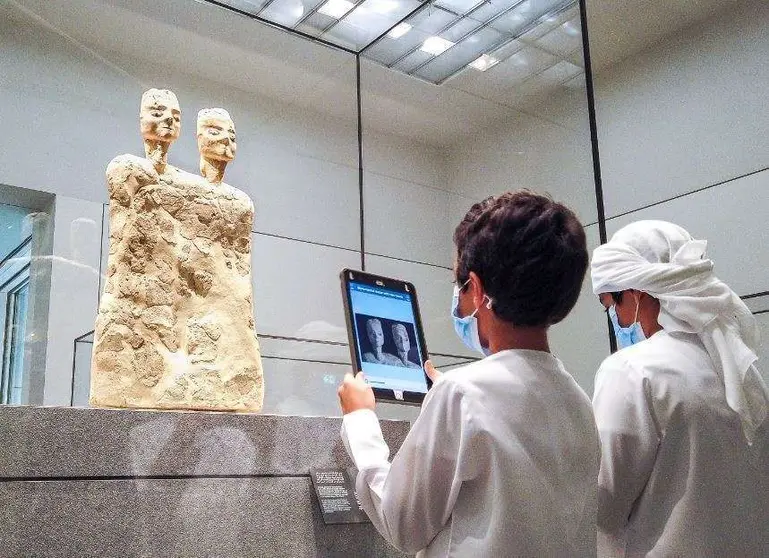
x=126, y=483
x=44, y=442
x=232, y=518
x=175, y=326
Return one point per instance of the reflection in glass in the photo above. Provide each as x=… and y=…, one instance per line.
x=13, y=346
x=15, y=252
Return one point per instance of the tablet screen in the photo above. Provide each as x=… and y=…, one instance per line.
x=387, y=343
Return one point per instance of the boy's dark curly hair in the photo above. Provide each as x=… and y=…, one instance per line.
x=529, y=252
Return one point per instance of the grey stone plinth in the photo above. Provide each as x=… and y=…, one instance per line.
x=75, y=442
x=186, y=518
x=96, y=482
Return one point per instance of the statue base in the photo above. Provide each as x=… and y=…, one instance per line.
x=150, y=483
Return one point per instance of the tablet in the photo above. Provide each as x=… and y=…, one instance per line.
x=385, y=331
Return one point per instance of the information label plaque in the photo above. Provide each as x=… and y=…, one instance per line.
x=335, y=490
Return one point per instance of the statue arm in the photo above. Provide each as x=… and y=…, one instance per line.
x=126, y=175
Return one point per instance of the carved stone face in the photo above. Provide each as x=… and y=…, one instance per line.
x=375, y=333
x=159, y=116
x=401, y=338
x=216, y=135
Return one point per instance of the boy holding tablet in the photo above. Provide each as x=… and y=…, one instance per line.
x=503, y=459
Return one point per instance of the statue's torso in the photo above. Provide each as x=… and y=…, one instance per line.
x=175, y=325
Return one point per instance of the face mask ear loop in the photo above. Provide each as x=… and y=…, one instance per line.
x=637, y=307
x=488, y=305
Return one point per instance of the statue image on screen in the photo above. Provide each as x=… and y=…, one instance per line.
x=175, y=327
x=406, y=354
x=376, y=338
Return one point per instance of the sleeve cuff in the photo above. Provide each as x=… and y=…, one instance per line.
x=363, y=439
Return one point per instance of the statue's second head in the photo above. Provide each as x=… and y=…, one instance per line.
x=159, y=115
x=216, y=134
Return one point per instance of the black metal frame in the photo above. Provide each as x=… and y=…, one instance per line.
x=360, y=165
x=590, y=92
x=24, y=243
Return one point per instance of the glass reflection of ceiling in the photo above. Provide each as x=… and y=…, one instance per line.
x=433, y=40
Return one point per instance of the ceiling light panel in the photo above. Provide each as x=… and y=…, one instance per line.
x=399, y=30
x=432, y=20
x=461, y=29
x=412, y=61
x=508, y=49
x=437, y=39
x=336, y=8
x=436, y=45
x=516, y=69
x=528, y=16
x=561, y=40
x=425, y=24
x=489, y=11
x=533, y=59
x=459, y=7
x=561, y=72
x=458, y=57
x=484, y=62
x=316, y=24
x=553, y=15
x=288, y=12
x=369, y=20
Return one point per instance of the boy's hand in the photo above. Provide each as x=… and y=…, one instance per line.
x=355, y=393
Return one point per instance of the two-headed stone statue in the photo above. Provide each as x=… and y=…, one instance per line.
x=175, y=327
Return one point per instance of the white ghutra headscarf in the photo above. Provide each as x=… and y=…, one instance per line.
x=663, y=260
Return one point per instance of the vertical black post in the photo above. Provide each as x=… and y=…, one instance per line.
x=594, y=141
x=360, y=166
x=72, y=383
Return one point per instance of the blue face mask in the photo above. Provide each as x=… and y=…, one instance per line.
x=630, y=335
x=467, y=327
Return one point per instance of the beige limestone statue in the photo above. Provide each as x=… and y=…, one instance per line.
x=175, y=327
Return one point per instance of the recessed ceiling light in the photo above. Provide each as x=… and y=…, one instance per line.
x=571, y=29
x=298, y=10
x=381, y=6
x=436, y=45
x=484, y=62
x=336, y=8
x=399, y=30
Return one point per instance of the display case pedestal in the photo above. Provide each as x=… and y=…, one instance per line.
x=100, y=482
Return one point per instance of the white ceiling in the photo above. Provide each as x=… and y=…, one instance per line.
x=205, y=41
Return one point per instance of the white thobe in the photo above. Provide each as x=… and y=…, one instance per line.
x=502, y=461
x=677, y=477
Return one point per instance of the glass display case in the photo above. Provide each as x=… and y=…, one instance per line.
x=351, y=161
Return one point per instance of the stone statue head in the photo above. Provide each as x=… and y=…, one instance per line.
x=216, y=134
x=160, y=116
x=401, y=338
x=375, y=333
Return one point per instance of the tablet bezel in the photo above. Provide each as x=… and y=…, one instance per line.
x=408, y=397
